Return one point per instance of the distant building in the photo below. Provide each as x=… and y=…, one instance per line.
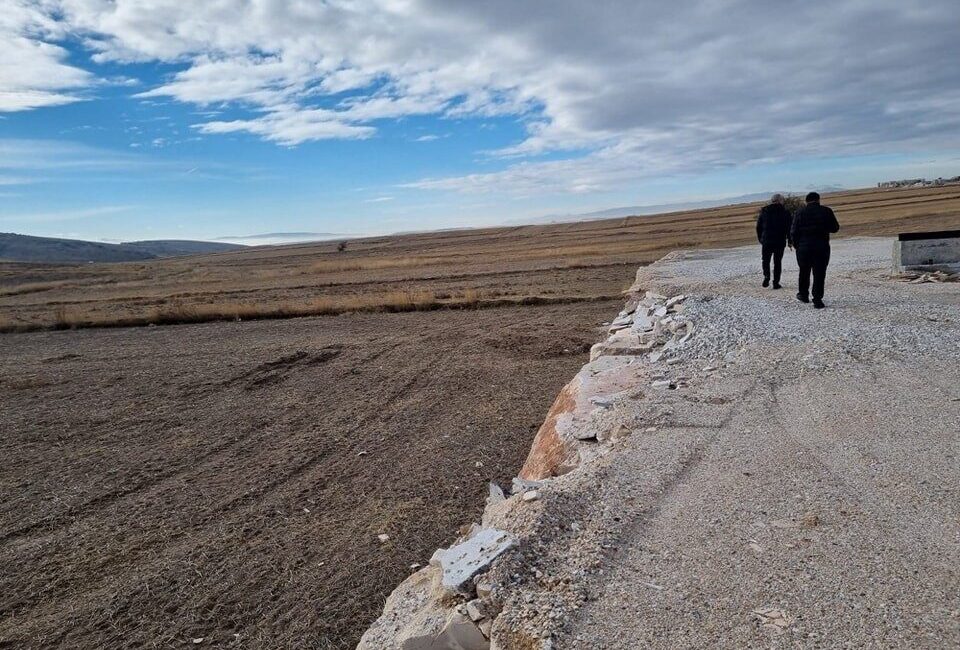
x=918, y=182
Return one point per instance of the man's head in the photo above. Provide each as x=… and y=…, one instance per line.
x=813, y=197
x=777, y=198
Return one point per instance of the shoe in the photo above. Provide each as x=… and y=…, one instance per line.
x=766, y=282
x=802, y=298
x=818, y=304
x=777, y=285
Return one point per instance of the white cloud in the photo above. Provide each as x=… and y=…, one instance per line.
x=67, y=215
x=33, y=72
x=629, y=89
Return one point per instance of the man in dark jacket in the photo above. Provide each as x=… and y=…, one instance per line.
x=810, y=234
x=773, y=232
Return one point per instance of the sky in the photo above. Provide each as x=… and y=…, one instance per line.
x=148, y=119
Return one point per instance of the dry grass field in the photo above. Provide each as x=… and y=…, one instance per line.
x=469, y=268
x=223, y=483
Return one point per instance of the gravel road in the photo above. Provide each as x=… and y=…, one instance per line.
x=811, y=491
x=800, y=488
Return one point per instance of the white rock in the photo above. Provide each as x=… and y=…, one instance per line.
x=522, y=485
x=494, y=494
x=383, y=538
x=642, y=323
x=458, y=633
x=661, y=384
x=532, y=495
x=476, y=610
x=605, y=402
x=676, y=299
x=459, y=563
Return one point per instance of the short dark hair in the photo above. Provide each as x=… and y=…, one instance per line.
x=813, y=197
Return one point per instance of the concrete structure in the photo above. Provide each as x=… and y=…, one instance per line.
x=927, y=251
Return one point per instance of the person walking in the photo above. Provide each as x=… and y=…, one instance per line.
x=773, y=233
x=810, y=233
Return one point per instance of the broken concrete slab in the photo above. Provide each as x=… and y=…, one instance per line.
x=458, y=633
x=461, y=562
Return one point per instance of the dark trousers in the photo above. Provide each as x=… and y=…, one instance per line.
x=812, y=259
x=776, y=252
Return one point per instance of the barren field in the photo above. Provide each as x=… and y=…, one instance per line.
x=227, y=481
x=469, y=268
x=204, y=481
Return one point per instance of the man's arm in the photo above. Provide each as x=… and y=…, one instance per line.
x=832, y=224
x=789, y=228
x=793, y=227
x=760, y=227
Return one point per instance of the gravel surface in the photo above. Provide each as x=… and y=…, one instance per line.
x=801, y=487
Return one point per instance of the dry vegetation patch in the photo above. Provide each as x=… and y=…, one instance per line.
x=457, y=269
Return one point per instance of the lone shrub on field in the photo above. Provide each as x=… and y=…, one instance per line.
x=793, y=203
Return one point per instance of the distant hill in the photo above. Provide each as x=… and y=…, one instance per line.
x=275, y=238
x=178, y=247
x=26, y=248
x=640, y=210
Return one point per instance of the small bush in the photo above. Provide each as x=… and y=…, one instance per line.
x=793, y=203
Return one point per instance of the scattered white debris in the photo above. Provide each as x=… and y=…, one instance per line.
x=383, y=538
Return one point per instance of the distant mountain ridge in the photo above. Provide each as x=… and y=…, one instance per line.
x=27, y=248
x=641, y=210
x=279, y=238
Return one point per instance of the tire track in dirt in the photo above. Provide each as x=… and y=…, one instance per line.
x=61, y=610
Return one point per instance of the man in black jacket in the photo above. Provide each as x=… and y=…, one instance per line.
x=773, y=232
x=810, y=234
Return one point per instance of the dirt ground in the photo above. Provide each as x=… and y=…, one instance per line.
x=227, y=481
